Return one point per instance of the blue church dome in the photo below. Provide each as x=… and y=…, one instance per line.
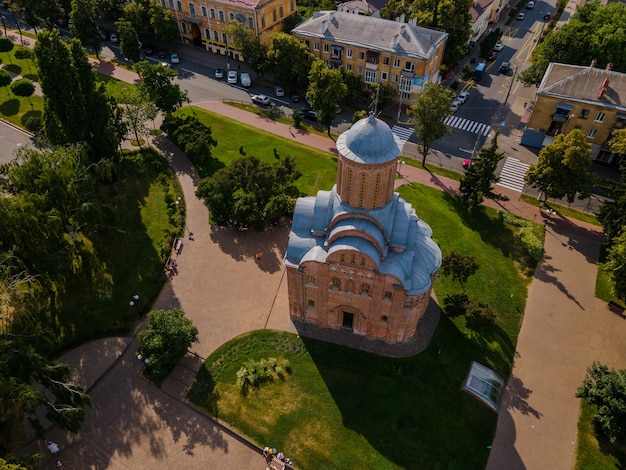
x=370, y=140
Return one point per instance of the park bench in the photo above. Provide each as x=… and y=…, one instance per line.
x=178, y=245
x=616, y=308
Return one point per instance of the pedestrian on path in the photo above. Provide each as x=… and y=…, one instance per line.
x=259, y=255
x=53, y=447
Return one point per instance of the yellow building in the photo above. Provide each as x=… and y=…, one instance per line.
x=202, y=22
x=401, y=55
x=577, y=97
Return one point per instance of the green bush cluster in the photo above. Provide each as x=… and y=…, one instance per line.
x=477, y=314
x=254, y=373
x=532, y=241
x=191, y=136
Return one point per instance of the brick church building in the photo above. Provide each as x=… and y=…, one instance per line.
x=359, y=260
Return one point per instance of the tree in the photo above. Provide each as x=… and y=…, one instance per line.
x=10, y=466
x=489, y=41
x=109, y=10
x=326, y=88
x=617, y=144
x=37, y=12
x=137, y=110
x=354, y=83
x=84, y=25
x=165, y=341
x=129, y=41
x=158, y=84
x=460, y=267
x=562, y=169
x=594, y=32
x=606, y=389
x=163, y=24
x=6, y=45
x=612, y=214
x=289, y=58
x=616, y=264
x=476, y=183
x=5, y=79
x=243, y=39
x=138, y=14
x=191, y=136
x=429, y=111
x=23, y=87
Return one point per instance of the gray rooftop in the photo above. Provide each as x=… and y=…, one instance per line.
x=584, y=83
x=376, y=34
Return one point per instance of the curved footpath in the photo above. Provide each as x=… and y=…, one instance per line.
x=135, y=425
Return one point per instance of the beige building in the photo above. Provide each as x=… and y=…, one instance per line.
x=401, y=55
x=359, y=260
x=202, y=22
x=577, y=97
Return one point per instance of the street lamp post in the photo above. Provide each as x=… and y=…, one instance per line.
x=134, y=303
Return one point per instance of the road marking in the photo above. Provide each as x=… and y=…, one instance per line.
x=467, y=125
x=403, y=133
x=512, y=174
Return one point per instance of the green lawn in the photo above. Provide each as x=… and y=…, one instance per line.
x=347, y=409
x=593, y=453
x=319, y=169
x=564, y=210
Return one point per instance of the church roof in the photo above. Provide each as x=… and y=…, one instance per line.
x=370, y=140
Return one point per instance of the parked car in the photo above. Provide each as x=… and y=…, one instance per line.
x=162, y=54
x=148, y=49
x=521, y=16
x=455, y=106
x=219, y=72
x=547, y=16
x=279, y=91
x=165, y=64
x=492, y=55
x=308, y=113
x=295, y=97
x=530, y=5
x=245, y=79
x=232, y=76
x=498, y=47
x=463, y=96
x=112, y=38
x=504, y=67
x=174, y=59
x=262, y=100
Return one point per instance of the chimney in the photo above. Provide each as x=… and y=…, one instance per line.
x=593, y=63
x=609, y=66
x=396, y=40
x=605, y=85
x=324, y=26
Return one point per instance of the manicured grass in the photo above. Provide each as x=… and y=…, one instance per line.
x=319, y=169
x=347, y=409
x=564, y=210
x=593, y=453
x=114, y=87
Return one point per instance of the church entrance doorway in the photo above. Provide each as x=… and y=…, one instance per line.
x=348, y=320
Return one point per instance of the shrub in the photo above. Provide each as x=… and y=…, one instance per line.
x=528, y=235
x=33, y=124
x=23, y=53
x=479, y=315
x=254, y=373
x=456, y=304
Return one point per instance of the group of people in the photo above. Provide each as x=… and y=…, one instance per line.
x=269, y=453
x=53, y=447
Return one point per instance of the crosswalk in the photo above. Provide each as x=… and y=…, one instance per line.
x=467, y=125
x=512, y=174
x=403, y=133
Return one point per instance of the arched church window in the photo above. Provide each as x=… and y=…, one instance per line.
x=335, y=284
x=365, y=290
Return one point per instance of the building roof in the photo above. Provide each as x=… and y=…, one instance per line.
x=585, y=83
x=479, y=8
x=376, y=34
x=362, y=6
x=369, y=140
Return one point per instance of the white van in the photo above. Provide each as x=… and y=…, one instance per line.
x=244, y=78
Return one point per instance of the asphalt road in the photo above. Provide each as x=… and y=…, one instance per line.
x=12, y=138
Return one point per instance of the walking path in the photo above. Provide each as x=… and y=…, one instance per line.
x=135, y=425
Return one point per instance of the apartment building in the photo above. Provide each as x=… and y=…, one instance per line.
x=401, y=55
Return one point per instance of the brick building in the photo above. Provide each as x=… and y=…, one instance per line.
x=358, y=257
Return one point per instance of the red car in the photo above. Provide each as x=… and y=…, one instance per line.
x=492, y=55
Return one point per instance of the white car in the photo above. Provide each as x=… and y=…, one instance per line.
x=454, y=106
x=219, y=72
x=174, y=59
x=113, y=37
x=232, y=76
x=167, y=65
x=463, y=96
x=279, y=91
x=245, y=79
x=498, y=47
x=262, y=100
x=521, y=16
x=530, y=5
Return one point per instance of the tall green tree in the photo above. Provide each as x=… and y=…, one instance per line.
x=459, y=267
x=616, y=264
x=138, y=14
x=137, y=110
x=157, y=82
x=39, y=13
x=612, y=214
x=129, y=41
x=476, y=183
x=428, y=113
x=326, y=89
x=84, y=25
x=562, y=170
x=606, y=388
x=163, y=24
x=244, y=40
x=109, y=10
x=290, y=59
x=165, y=341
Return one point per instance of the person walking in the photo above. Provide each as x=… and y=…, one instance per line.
x=53, y=447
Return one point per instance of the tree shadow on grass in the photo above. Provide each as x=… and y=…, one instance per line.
x=10, y=107
x=13, y=68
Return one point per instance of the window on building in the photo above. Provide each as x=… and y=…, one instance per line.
x=293, y=5
x=316, y=46
x=280, y=11
x=365, y=290
x=325, y=48
x=394, y=78
x=216, y=35
x=184, y=26
x=207, y=33
x=274, y=14
x=310, y=280
x=231, y=16
x=342, y=259
x=396, y=63
x=592, y=133
x=171, y=4
x=362, y=260
x=212, y=13
x=224, y=38
x=263, y=22
x=384, y=76
x=335, y=284
x=204, y=12
x=584, y=114
x=348, y=66
x=371, y=76
x=250, y=22
x=311, y=305
x=409, y=66
x=359, y=71
x=577, y=126
x=384, y=319
x=385, y=60
x=192, y=10
x=163, y=3
x=179, y=5
x=361, y=55
x=349, y=53
x=600, y=117
x=387, y=297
